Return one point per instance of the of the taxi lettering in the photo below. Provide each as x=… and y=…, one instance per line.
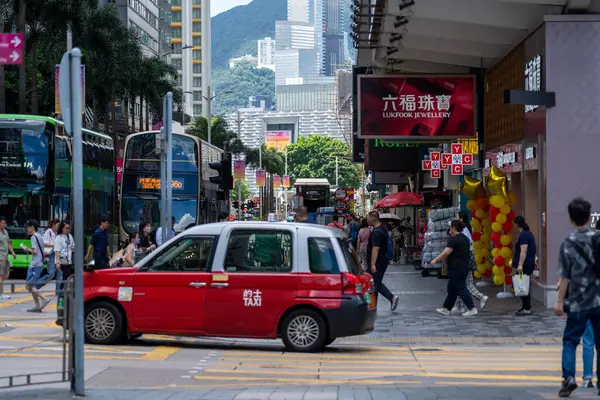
x=252, y=298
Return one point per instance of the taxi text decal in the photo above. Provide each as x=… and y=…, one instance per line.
x=252, y=298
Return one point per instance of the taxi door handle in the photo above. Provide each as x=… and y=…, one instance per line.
x=219, y=285
x=197, y=284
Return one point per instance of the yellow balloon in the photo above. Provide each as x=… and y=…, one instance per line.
x=485, y=238
x=477, y=246
x=505, y=209
x=487, y=223
x=477, y=275
x=505, y=251
x=507, y=261
x=496, y=182
x=471, y=205
x=472, y=188
x=505, y=240
x=510, y=237
x=496, y=227
x=512, y=199
x=475, y=224
x=497, y=271
x=497, y=201
x=498, y=280
x=479, y=213
x=481, y=269
x=488, y=265
x=495, y=252
x=487, y=230
x=485, y=253
x=501, y=219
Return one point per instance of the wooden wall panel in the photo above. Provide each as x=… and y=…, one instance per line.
x=503, y=123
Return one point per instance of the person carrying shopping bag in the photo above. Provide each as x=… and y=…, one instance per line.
x=524, y=260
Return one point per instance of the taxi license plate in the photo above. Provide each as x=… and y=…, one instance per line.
x=368, y=298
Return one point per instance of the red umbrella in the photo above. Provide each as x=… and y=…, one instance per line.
x=400, y=199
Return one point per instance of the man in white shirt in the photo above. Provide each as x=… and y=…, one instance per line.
x=159, y=238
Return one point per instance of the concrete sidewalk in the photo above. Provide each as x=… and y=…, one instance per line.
x=310, y=393
x=416, y=320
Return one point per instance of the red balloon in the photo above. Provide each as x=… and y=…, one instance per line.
x=511, y=215
x=487, y=273
x=507, y=227
x=510, y=246
x=476, y=236
x=507, y=270
x=473, y=216
x=508, y=279
x=495, y=237
x=487, y=208
x=498, y=260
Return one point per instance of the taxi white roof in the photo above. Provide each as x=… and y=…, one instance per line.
x=302, y=228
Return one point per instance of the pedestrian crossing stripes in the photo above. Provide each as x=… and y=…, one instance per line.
x=432, y=365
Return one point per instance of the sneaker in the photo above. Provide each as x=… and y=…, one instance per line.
x=44, y=304
x=394, y=305
x=34, y=310
x=5, y=297
x=443, y=311
x=483, y=302
x=567, y=387
x=587, y=383
x=471, y=312
x=523, y=312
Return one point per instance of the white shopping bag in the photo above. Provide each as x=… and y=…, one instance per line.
x=521, y=284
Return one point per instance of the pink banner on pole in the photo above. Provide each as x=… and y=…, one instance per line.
x=261, y=177
x=239, y=170
x=276, y=182
x=285, y=181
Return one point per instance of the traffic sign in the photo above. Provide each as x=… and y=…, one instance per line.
x=11, y=48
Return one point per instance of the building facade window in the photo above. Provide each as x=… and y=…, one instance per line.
x=197, y=95
x=176, y=48
x=176, y=32
x=196, y=54
x=176, y=16
x=196, y=27
x=197, y=109
x=197, y=82
x=196, y=13
x=197, y=2
x=197, y=68
x=176, y=63
x=197, y=41
x=144, y=12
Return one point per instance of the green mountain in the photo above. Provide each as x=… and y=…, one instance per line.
x=235, y=31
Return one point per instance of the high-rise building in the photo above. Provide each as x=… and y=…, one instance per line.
x=291, y=64
x=266, y=53
x=187, y=53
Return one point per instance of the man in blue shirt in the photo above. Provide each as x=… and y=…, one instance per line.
x=99, y=245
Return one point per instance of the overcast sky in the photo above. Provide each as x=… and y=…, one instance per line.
x=218, y=6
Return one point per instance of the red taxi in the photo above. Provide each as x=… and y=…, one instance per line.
x=298, y=282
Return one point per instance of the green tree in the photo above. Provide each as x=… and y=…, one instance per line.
x=272, y=161
x=243, y=185
x=234, y=86
x=314, y=156
x=220, y=134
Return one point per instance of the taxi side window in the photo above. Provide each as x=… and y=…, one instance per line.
x=259, y=251
x=321, y=256
x=191, y=254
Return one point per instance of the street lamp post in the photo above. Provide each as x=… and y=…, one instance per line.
x=171, y=52
x=209, y=99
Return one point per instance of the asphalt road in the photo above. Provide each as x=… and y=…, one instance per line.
x=414, y=354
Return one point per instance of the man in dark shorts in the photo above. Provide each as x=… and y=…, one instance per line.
x=376, y=259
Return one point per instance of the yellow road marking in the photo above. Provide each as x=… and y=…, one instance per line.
x=417, y=374
x=161, y=353
x=87, y=356
x=14, y=302
x=50, y=324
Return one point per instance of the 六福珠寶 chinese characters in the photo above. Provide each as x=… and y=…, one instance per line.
x=409, y=105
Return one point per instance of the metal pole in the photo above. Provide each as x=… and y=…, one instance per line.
x=163, y=175
x=285, y=193
x=239, y=187
x=75, y=100
x=206, y=57
x=337, y=173
x=209, y=116
x=168, y=124
x=69, y=39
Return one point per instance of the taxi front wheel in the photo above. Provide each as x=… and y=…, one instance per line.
x=103, y=323
x=304, y=330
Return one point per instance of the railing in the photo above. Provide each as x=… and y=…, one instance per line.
x=64, y=318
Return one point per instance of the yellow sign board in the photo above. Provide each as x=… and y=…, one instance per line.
x=154, y=184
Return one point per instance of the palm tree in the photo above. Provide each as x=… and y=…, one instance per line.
x=163, y=78
x=272, y=161
x=220, y=134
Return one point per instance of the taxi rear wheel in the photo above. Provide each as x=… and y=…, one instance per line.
x=304, y=330
x=103, y=323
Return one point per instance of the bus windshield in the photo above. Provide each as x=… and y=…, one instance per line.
x=24, y=150
x=141, y=154
x=137, y=209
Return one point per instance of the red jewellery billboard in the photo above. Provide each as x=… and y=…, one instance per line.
x=419, y=107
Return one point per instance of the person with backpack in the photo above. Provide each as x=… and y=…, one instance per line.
x=380, y=251
x=579, y=289
x=524, y=259
x=458, y=253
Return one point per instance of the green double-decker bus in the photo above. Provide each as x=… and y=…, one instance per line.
x=36, y=175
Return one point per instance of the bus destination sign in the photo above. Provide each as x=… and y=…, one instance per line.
x=154, y=184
